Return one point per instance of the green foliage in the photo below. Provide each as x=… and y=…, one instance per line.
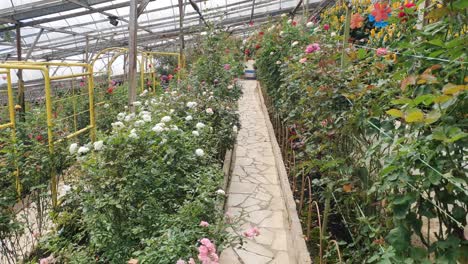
x=387, y=132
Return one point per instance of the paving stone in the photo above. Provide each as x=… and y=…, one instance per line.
x=242, y=187
x=254, y=192
x=229, y=256
x=251, y=258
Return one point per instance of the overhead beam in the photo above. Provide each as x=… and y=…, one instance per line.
x=142, y=7
x=30, y=50
x=195, y=7
x=106, y=13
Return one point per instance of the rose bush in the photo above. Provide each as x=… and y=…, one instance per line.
x=382, y=137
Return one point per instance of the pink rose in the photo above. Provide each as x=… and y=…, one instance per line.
x=326, y=27
x=252, y=232
x=312, y=48
x=303, y=60
x=191, y=261
x=204, y=224
x=181, y=261
x=381, y=52
x=227, y=67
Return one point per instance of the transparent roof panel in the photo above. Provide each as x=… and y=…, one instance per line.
x=70, y=27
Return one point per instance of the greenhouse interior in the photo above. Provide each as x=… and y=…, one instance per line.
x=233, y=132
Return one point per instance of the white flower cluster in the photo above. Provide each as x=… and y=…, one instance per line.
x=82, y=150
x=191, y=104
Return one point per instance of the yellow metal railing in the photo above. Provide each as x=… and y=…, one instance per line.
x=44, y=68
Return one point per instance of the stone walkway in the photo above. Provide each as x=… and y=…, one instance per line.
x=255, y=193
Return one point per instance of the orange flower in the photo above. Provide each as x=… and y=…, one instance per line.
x=381, y=12
x=357, y=21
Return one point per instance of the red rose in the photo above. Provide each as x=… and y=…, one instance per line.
x=294, y=23
x=261, y=33
x=257, y=46
x=39, y=138
x=110, y=90
x=170, y=77
x=247, y=52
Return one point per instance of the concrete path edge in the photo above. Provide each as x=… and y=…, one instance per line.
x=299, y=246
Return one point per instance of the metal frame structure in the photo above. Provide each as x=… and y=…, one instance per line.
x=239, y=13
x=44, y=68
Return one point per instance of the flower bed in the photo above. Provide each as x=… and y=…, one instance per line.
x=375, y=137
x=149, y=191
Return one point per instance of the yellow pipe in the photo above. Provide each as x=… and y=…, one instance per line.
x=50, y=134
x=67, y=64
x=11, y=109
x=75, y=134
x=8, y=125
x=92, y=116
x=142, y=73
x=75, y=119
x=68, y=76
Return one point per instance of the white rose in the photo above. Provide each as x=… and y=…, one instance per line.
x=278, y=62
x=220, y=192
x=188, y=118
x=200, y=125
x=209, y=111
x=333, y=34
x=106, y=106
x=137, y=103
x=294, y=43
x=191, y=104
x=98, y=145
x=146, y=118
x=117, y=125
x=158, y=128
x=283, y=15
x=133, y=134
x=129, y=117
x=309, y=24
x=166, y=119
x=195, y=133
x=83, y=150
x=120, y=116
x=171, y=111
x=234, y=128
x=199, y=152
x=139, y=123
x=73, y=148
x=272, y=53
x=145, y=92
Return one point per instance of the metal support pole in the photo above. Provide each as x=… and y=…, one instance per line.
x=21, y=100
x=181, y=33
x=132, y=54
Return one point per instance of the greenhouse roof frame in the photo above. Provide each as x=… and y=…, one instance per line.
x=42, y=19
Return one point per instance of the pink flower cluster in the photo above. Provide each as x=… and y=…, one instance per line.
x=181, y=261
x=252, y=232
x=312, y=48
x=227, y=67
x=381, y=51
x=49, y=260
x=207, y=252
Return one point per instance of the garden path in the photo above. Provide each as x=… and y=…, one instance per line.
x=255, y=193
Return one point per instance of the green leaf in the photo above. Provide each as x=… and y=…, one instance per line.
x=399, y=238
x=401, y=101
x=436, y=42
x=414, y=115
x=362, y=54
x=454, y=134
x=427, y=99
x=432, y=116
x=395, y=112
